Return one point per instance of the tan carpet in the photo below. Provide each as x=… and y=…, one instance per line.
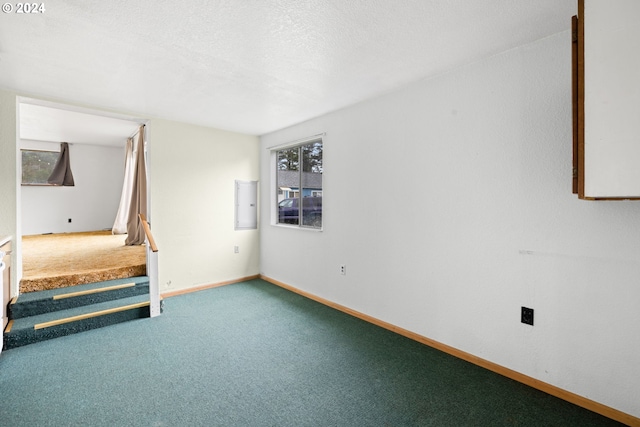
x=59, y=260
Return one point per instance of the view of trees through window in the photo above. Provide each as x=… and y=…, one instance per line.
x=299, y=185
x=37, y=166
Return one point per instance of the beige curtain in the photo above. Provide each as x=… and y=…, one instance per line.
x=135, y=232
x=122, y=217
x=61, y=174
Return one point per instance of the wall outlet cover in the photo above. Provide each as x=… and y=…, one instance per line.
x=526, y=316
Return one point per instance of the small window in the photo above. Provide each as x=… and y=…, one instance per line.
x=37, y=166
x=299, y=178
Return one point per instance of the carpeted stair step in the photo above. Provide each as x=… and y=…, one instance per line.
x=28, y=330
x=35, y=303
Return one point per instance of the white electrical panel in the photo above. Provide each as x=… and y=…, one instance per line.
x=246, y=205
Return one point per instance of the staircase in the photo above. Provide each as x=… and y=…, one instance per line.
x=39, y=316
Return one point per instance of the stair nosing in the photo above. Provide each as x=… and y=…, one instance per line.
x=93, y=291
x=79, y=317
x=28, y=322
x=48, y=294
x=56, y=302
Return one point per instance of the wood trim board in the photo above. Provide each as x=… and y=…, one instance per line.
x=574, y=101
x=579, y=99
x=93, y=291
x=208, y=286
x=57, y=322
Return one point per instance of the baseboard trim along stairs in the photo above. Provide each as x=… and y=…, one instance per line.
x=39, y=316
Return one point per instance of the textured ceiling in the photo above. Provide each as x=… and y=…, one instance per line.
x=254, y=66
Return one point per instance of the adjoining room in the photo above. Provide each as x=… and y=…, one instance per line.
x=72, y=234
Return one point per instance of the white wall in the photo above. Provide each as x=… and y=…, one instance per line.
x=192, y=171
x=8, y=176
x=92, y=204
x=450, y=203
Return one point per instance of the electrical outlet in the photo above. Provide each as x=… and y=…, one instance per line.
x=236, y=249
x=526, y=316
x=69, y=220
x=343, y=269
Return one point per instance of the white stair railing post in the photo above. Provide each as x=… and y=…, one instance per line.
x=152, y=269
x=154, y=287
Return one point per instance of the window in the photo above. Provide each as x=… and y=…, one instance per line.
x=37, y=166
x=299, y=184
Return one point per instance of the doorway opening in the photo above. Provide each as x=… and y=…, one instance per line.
x=65, y=233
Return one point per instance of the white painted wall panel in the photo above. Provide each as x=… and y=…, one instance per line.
x=450, y=204
x=192, y=171
x=91, y=204
x=8, y=175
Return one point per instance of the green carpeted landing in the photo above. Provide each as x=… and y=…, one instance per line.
x=252, y=354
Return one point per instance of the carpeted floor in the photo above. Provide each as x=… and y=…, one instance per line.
x=253, y=354
x=53, y=261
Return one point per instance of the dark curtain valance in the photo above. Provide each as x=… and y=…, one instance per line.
x=61, y=174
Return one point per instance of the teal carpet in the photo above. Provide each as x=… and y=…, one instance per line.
x=253, y=354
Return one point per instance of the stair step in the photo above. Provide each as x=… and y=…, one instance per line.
x=35, y=303
x=27, y=330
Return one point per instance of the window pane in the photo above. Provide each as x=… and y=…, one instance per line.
x=299, y=189
x=288, y=185
x=37, y=166
x=312, y=184
x=312, y=157
x=288, y=159
x=288, y=211
x=312, y=211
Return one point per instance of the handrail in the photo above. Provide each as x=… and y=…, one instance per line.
x=147, y=231
x=155, y=306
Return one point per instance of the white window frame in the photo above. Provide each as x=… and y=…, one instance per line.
x=274, y=181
